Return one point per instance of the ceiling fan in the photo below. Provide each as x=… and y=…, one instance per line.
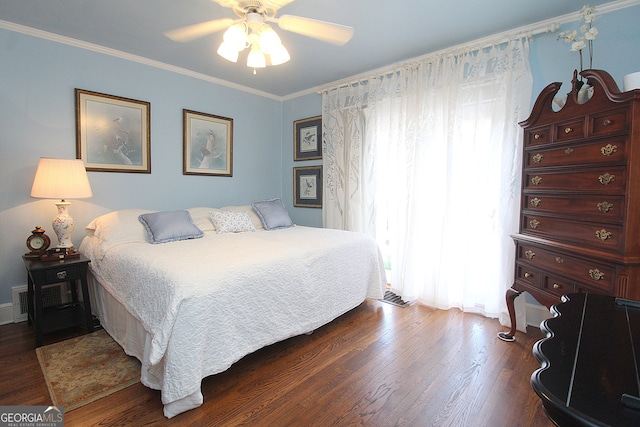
x=251, y=30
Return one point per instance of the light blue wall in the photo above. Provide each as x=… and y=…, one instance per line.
x=299, y=108
x=615, y=51
x=37, y=119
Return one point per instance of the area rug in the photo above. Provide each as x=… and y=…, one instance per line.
x=82, y=370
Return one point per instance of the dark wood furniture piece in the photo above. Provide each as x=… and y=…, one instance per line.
x=74, y=313
x=580, y=206
x=589, y=374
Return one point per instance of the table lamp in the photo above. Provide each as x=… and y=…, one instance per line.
x=61, y=179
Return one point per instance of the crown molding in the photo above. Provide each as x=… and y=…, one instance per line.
x=129, y=57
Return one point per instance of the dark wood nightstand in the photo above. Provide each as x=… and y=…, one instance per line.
x=74, y=313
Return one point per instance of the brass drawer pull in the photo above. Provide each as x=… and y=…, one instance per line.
x=605, y=206
x=556, y=286
x=608, y=149
x=529, y=254
x=536, y=136
x=569, y=150
x=61, y=275
x=535, y=202
x=606, y=179
x=596, y=274
x=603, y=234
x=568, y=130
x=534, y=223
x=536, y=180
x=559, y=260
x=537, y=158
x=607, y=122
x=527, y=275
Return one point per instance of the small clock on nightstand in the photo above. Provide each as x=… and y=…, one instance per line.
x=37, y=243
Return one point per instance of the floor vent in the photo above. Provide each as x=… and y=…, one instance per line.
x=51, y=296
x=391, y=298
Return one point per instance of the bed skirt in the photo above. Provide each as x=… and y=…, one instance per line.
x=127, y=331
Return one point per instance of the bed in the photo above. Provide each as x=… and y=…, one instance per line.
x=191, y=292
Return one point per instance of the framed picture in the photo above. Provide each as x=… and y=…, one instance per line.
x=208, y=144
x=113, y=133
x=307, y=138
x=307, y=187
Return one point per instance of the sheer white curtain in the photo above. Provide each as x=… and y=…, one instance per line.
x=427, y=158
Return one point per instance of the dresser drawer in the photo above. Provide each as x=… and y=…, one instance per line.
x=604, y=288
x=602, y=180
x=600, y=208
x=570, y=130
x=539, y=136
x=528, y=275
x=607, y=151
x=608, y=122
x=557, y=286
x=591, y=273
x=598, y=236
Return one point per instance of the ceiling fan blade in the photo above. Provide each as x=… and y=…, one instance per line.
x=226, y=3
x=276, y=4
x=326, y=31
x=192, y=32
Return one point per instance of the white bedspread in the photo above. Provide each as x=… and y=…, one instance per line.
x=206, y=303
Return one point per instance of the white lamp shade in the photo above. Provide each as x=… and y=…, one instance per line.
x=228, y=52
x=269, y=40
x=236, y=36
x=279, y=56
x=61, y=179
x=256, y=58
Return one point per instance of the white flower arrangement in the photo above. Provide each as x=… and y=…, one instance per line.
x=588, y=34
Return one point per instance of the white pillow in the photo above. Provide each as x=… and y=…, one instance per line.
x=201, y=217
x=231, y=221
x=118, y=227
x=255, y=219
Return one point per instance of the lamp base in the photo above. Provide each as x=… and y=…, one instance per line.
x=63, y=225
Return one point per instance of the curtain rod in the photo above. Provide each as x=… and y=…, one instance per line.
x=547, y=27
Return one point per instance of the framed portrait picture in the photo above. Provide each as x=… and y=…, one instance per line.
x=113, y=133
x=307, y=187
x=307, y=138
x=208, y=144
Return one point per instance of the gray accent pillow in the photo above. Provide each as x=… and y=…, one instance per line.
x=170, y=226
x=272, y=213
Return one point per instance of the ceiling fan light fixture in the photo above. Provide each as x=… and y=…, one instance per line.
x=236, y=36
x=269, y=40
x=228, y=52
x=256, y=58
x=252, y=31
x=279, y=56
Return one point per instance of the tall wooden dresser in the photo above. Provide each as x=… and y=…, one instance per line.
x=580, y=207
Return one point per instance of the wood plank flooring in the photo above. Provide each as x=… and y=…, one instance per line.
x=378, y=365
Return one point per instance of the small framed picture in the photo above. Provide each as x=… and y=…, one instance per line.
x=208, y=144
x=307, y=187
x=307, y=137
x=113, y=133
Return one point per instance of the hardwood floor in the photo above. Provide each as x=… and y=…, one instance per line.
x=378, y=365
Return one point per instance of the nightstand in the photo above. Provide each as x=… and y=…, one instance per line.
x=74, y=313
